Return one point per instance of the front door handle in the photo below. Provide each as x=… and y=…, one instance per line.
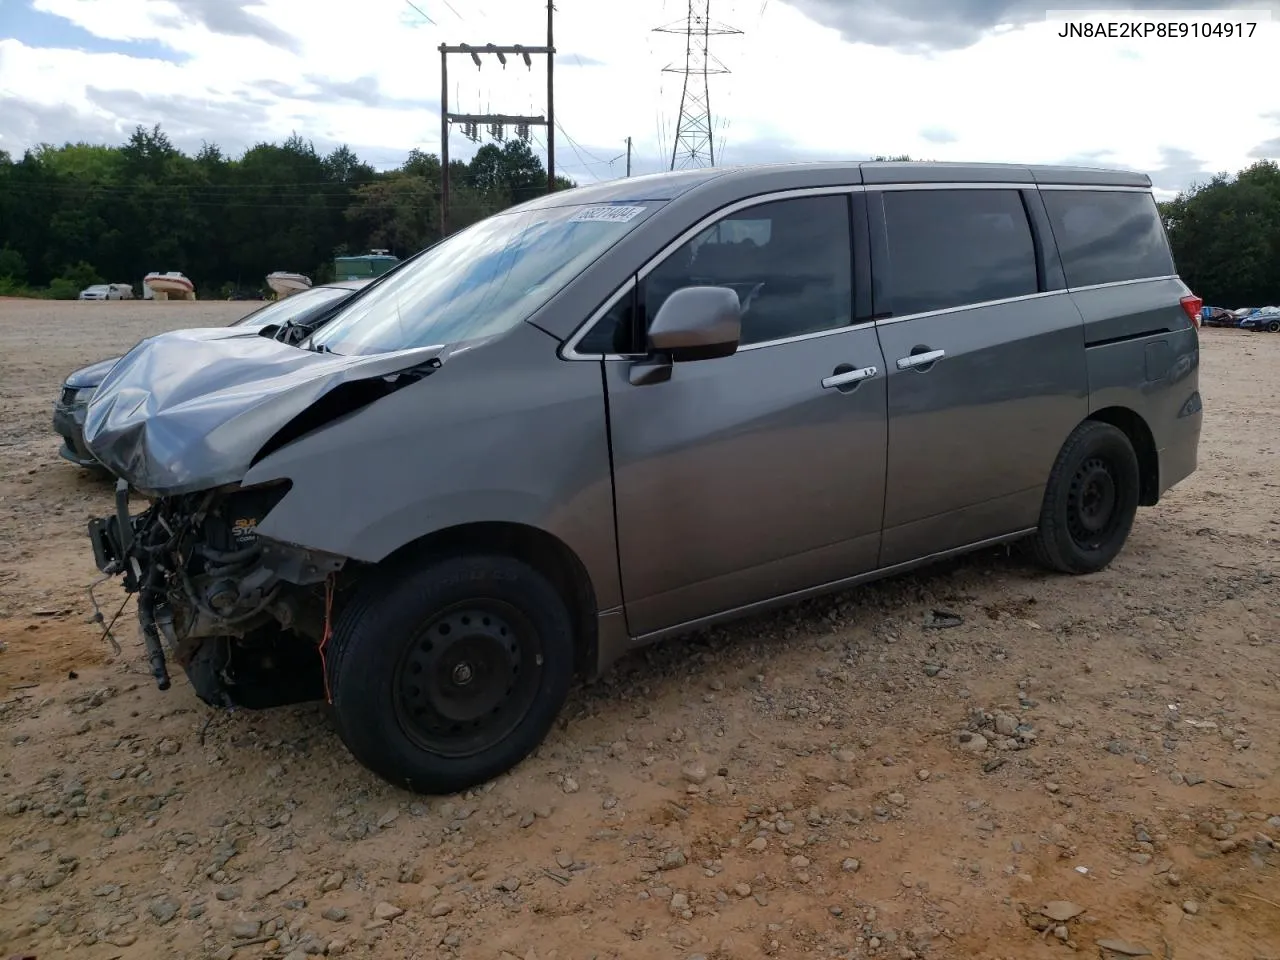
x=846, y=377
x=920, y=359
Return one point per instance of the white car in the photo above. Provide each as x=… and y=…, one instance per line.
x=107, y=291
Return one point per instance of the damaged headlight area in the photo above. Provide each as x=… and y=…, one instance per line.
x=243, y=615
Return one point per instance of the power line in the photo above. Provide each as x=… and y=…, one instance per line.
x=574, y=147
x=565, y=134
x=144, y=188
x=422, y=13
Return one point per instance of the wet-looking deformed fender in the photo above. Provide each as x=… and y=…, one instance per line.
x=505, y=432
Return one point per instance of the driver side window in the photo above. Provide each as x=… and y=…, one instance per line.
x=790, y=262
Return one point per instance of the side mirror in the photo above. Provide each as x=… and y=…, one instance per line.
x=697, y=323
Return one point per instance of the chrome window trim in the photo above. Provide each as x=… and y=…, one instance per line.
x=817, y=334
x=945, y=185
x=1026, y=296
x=568, y=350
x=1097, y=187
x=1040, y=295
x=1124, y=283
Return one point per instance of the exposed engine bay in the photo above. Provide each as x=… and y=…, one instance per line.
x=245, y=617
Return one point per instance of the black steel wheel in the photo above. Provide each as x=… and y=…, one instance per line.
x=1090, y=501
x=447, y=673
x=467, y=678
x=1273, y=326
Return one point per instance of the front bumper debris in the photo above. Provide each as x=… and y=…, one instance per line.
x=68, y=423
x=112, y=539
x=243, y=615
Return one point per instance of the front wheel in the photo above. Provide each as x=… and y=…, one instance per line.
x=1090, y=500
x=448, y=673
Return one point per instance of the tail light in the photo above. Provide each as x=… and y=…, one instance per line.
x=1192, y=304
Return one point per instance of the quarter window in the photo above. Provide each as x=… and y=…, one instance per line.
x=1105, y=236
x=951, y=248
x=612, y=333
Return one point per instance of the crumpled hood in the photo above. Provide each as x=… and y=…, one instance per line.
x=188, y=410
x=91, y=375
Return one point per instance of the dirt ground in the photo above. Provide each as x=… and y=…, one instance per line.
x=859, y=777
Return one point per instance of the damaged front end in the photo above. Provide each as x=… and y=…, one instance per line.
x=181, y=419
x=244, y=616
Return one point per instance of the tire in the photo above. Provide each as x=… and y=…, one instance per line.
x=406, y=651
x=1274, y=326
x=1090, y=500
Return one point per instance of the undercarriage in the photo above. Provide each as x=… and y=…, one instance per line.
x=246, y=617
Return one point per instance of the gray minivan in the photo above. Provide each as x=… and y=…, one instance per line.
x=630, y=410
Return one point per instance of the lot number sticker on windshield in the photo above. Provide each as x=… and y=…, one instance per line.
x=606, y=214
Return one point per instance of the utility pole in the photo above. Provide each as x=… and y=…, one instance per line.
x=694, y=144
x=496, y=123
x=551, y=100
x=628, y=156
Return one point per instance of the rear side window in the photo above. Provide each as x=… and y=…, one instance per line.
x=950, y=248
x=1105, y=236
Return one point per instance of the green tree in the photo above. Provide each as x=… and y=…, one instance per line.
x=1225, y=236
x=507, y=174
x=399, y=212
x=13, y=265
x=228, y=221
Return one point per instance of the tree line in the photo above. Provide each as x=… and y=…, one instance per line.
x=1226, y=237
x=81, y=213
x=78, y=214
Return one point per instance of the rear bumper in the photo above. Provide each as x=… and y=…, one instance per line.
x=1180, y=454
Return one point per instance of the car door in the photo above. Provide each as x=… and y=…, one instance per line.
x=985, y=357
x=748, y=477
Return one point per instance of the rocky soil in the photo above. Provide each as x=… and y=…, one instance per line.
x=980, y=760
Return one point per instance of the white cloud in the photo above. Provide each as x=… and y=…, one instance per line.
x=797, y=88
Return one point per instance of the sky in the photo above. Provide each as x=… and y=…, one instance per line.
x=966, y=80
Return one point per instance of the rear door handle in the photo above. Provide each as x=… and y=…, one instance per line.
x=920, y=359
x=849, y=376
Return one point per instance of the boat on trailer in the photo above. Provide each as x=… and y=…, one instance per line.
x=285, y=283
x=170, y=285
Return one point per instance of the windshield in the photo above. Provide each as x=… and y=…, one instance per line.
x=480, y=281
x=297, y=306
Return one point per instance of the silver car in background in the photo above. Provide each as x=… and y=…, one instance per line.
x=107, y=291
x=630, y=410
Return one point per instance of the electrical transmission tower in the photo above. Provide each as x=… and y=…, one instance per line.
x=694, y=144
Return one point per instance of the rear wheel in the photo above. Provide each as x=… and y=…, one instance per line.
x=1274, y=326
x=447, y=674
x=1090, y=500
